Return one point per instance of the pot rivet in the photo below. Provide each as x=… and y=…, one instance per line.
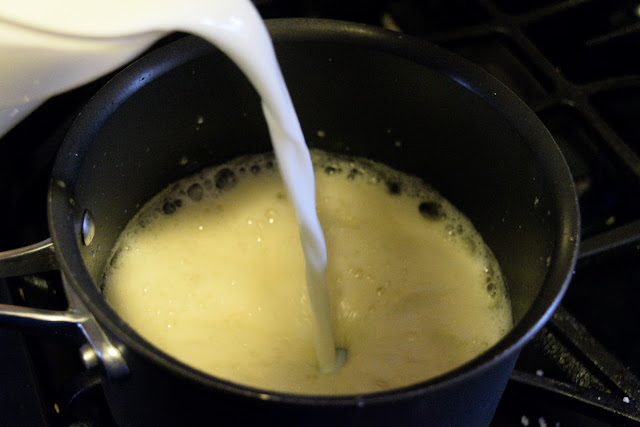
x=88, y=227
x=89, y=356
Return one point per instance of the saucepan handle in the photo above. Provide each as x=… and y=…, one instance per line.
x=36, y=258
x=76, y=322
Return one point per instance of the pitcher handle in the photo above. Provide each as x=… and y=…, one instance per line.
x=76, y=322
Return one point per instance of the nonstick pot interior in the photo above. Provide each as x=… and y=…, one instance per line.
x=409, y=105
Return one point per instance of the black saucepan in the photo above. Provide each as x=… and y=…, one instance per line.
x=365, y=88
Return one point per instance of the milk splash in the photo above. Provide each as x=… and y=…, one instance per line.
x=236, y=28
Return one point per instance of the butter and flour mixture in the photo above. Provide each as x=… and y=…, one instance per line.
x=211, y=271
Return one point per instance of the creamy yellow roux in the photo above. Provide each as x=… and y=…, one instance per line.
x=219, y=283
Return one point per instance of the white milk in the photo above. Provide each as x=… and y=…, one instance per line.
x=210, y=271
x=236, y=28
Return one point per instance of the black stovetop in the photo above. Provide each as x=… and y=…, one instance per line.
x=574, y=62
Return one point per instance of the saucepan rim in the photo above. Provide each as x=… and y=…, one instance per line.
x=65, y=230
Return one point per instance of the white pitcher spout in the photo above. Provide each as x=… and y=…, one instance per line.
x=36, y=65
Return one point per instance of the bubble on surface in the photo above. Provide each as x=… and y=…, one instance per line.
x=225, y=179
x=271, y=215
x=431, y=210
x=195, y=192
x=331, y=170
x=394, y=187
x=169, y=208
x=353, y=173
x=492, y=289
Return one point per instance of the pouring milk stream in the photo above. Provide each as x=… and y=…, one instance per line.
x=54, y=46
